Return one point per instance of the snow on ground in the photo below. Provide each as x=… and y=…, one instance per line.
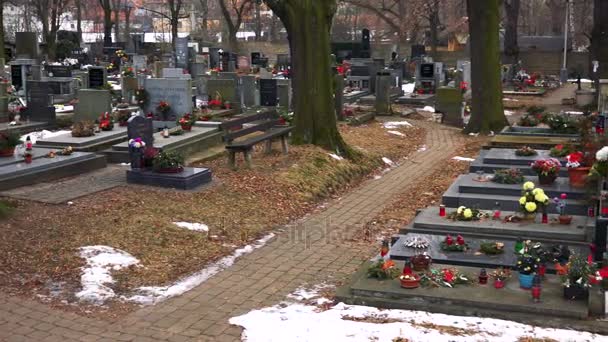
x=40, y=135
x=155, y=294
x=508, y=99
x=583, y=80
x=388, y=161
x=408, y=88
x=63, y=109
x=335, y=156
x=199, y=227
x=422, y=148
x=396, y=124
x=396, y=133
x=96, y=274
x=463, y=159
x=429, y=109
x=306, y=321
x=509, y=112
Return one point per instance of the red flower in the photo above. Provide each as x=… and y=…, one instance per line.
x=448, y=276
x=559, y=147
x=563, y=196
x=604, y=272
x=215, y=103
x=460, y=240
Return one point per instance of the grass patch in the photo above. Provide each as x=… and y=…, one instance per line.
x=6, y=208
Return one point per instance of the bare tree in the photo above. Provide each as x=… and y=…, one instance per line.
x=237, y=9
x=106, y=7
x=175, y=13
x=204, y=4
x=49, y=13
x=511, y=47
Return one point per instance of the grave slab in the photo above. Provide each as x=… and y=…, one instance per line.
x=16, y=158
x=353, y=96
x=471, y=257
x=479, y=165
x=468, y=184
x=534, y=131
x=419, y=99
x=511, y=302
x=190, y=178
x=26, y=127
x=538, y=142
x=507, y=156
x=580, y=231
x=97, y=142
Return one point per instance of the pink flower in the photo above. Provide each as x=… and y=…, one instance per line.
x=563, y=196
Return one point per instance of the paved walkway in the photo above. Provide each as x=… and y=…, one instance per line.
x=308, y=253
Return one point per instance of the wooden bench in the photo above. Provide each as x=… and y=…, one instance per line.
x=265, y=122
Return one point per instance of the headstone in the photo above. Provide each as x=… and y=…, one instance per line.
x=249, y=90
x=449, y=102
x=17, y=76
x=255, y=58
x=201, y=84
x=91, y=104
x=36, y=72
x=366, y=48
x=284, y=92
x=4, y=117
x=214, y=58
x=26, y=45
x=227, y=89
x=418, y=51
x=39, y=103
x=384, y=82
x=268, y=92
x=198, y=69
x=175, y=73
x=141, y=127
x=140, y=62
x=128, y=87
x=98, y=77
x=181, y=53
x=59, y=71
x=339, y=95
x=176, y=92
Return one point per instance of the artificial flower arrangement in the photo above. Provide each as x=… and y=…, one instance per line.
x=528, y=120
x=128, y=72
x=492, y=248
x=501, y=274
x=532, y=199
x=187, y=121
x=164, y=107
x=120, y=53
x=67, y=151
x=106, y=122
x=383, y=269
x=547, y=170
x=579, y=278
x=286, y=117
x=508, y=176
x=137, y=143
x=447, y=277
x=169, y=162
x=574, y=160
x=449, y=245
x=525, y=151
x=83, y=129
x=527, y=263
x=122, y=116
x=8, y=142
x=560, y=151
x=467, y=214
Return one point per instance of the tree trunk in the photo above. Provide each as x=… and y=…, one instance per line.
x=117, y=20
x=174, y=27
x=107, y=22
x=511, y=47
x=599, y=37
x=258, y=22
x=402, y=34
x=308, y=25
x=434, y=25
x=205, y=19
x=487, y=110
x=78, y=4
x=2, y=49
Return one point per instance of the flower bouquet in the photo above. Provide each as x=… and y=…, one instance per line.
x=164, y=108
x=135, y=152
x=500, y=275
x=106, y=122
x=547, y=170
x=560, y=151
x=560, y=204
x=600, y=167
x=467, y=214
x=528, y=120
x=577, y=280
x=508, y=176
x=187, y=121
x=447, y=277
x=128, y=72
x=525, y=151
x=532, y=200
x=492, y=248
x=383, y=269
x=8, y=142
x=577, y=172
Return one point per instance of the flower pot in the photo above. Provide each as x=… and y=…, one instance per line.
x=525, y=280
x=531, y=217
x=186, y=127
x=27, y=159
x=499, y=284
x=7, y=152
x=578, y=176
x=410, y=283
x=576, y=292
x=170, y=170
x=542, y=269
x=565, y=219
x=546, y=179
x=421, y=262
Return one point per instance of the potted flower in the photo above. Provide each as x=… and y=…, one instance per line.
x=547, y=170
x=27, y=157
x=600, y=167
x=421, y=262
x=467, y=214
x=106, y=123
x=187, y=121
x=576, y=280
x=525, y=151
x=163, y=109
x=527, y=266
x=149, y=154
x=500, y=276
x=409, y=279
x=136, y=147
x=217, y=101
x=168, y=162
x=8, y=142
x=560, y=204
x=576, y=171
x=532, y=200
x=560, y=151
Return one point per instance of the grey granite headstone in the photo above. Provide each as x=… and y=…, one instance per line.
x=140, y=62
x=383, y=84
x=177, y=92
x=181, y=53
x=227, y=90
x=140, y=127
x=175, y=73
x=91, y=104
x=198, y=69
x=284, y=92
x=249, y=90
x=201, y=84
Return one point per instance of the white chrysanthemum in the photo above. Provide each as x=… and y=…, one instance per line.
x=460, y=209
x=602, y=155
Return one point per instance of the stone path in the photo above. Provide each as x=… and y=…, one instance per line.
x=310, y=252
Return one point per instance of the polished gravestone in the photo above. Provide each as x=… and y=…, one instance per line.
x=507, y=156
x=97, y=142
x=188, y=179
x=534, y=131
x=416, y=99
x=479, y=164
x=580, y=231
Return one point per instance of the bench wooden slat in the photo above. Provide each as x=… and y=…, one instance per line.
x=262, y=126
x=265, y=115
x=270, y=134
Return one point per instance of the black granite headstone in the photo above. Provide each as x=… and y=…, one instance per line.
x=359, y=70
x=366, y=47
x=97, y=77
x=418, y=51
x=181, y=53
x=140, y=127
x=268, y=92
x=16, y=76
x=255, y=58
x=39, y=104
x=59, y=71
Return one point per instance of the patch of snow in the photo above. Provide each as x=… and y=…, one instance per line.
x=508, y=99
x=463, y=159
x=396, y=124
x=509, y=112
x=574, y=113
x=301, y=322
x=155, y=294
x=408, y=88
x=125, y=164
x=376, y=177
x=388, y=161
x=64, y=109
x=583, y=80
x=428, y=109
x=96, y=274
x=422, y=148
x=396, y=133
x=41, y=135
x=199, y=227
x=335, y=156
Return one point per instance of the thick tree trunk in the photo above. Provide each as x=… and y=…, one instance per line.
x=434, y=26
x=2, y=49
x=174, y=27
x=107, y=22
x=78, y=4
x=205, y=19
x=511, y=47
x=258, y=22
x=599, y=37
x=308, y=25
x=487, y=110
x=117, y=21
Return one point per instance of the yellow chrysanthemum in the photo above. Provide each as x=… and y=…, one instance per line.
x=522, y=200
x=531, y=207
x=541, y=198
x=537, y=191
x=528, y=186
x=468, y=213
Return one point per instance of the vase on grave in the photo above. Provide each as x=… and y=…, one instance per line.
x=186, y=127
x=546, y=179
x=578, y=176
x=421, y=262
x=525, y=280
x=576, y=292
